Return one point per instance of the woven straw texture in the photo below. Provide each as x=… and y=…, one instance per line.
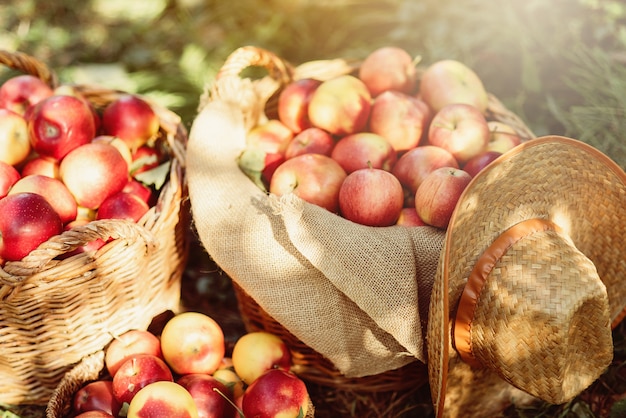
x=585, y=197
x=55, y=311
x=355, y=296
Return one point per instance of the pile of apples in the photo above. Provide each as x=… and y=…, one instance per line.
x=382, y=146
x=184, y=372
x=65, y=163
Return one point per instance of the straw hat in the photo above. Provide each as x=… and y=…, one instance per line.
x=530, y=279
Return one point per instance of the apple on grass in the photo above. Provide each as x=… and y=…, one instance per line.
x=315, y=178
x=55, y=192
x=136, y=372
x=96, y=396
x=388, y=68
x=340, y=105
x=372, y=197
x=93, y=172
x=26, y=221
x=162, y=399
x=135, y=341
x=438, y=195
x=192, y=342
x=20, y=92
x=8, y=177
x=14, y=137
x=259, y=351
x=310, y=141
x=401, y=119
x=362, y=150
x=123, y=205
x=460, y=129
x=211, y=396
x=503, y=137
x=293, y=103
x=41, y=164
x=132, y=119
x=450, y=81
x=414, y=165
x=276, y=393
x=476, y=164
x=59, y=124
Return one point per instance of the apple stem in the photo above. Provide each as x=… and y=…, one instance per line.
x=239, y=411
x=417, y=60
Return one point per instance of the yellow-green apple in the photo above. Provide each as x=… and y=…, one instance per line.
x=310, y=140
x=60, y=124
x=414, y=165
x=8, y=177
x=482, y=160
x=293, y=103
x=276, y=393
x=96, y=396
x=20, y=92
x=26, y=221
x=388, y=68
x=122, y=205
x=53, y=190
x=409, y=217
x=503, y=137
x=14, y=137
x=450, y=81
x=93, y=172
x=460, y=129
x=315, y=178
x=231, y=379
x=192, y=342
x=43, y=165
x=272, y=136
x=136, y=372
x=131, y=118
x=119, y=143
x=258, y=351
x=212, y=397
x=362, y=150
x=95, y=414
x=400, y=118
x=438, y=195
x=162, y=399
x=340, y=105
x=372, y=197
x=132, y=342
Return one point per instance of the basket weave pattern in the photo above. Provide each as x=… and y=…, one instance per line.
x=54, y=312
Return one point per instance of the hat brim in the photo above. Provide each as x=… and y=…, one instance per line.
x=560, y=179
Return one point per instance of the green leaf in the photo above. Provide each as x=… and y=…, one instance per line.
x=252, y=162
x=155, y=176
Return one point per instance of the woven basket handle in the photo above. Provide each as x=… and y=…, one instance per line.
x=250, y=56
x=28, y=65
x=38, y=260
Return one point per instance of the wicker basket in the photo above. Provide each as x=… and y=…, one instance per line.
x=310, y=365
x=55, y=310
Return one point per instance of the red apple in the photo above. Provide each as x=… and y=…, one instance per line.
x=310, y=141
x=371, y=197
x=122, y=205
x=409, y=218
x=276, y=393
x=256, y=352
x=340, y=105
x=476, y=164
x=93, y=172
x=70, y=90
x=401, y=119
x=209, y=394
x=388, y=68
x=131, y=118
x=89, y=246
x=192, y=342
x=132, y=342
x=438, y=194
x=315, y=178
x=20, y=92
x=293, y=103
x=55, y=192
x=59, y=124
x=94, y=414
x=145, y=158
x=8, y=177
x=118, y=143
x=460, y=129
x=362, y=150
x=136, y=372
x=162, y=399
x=26, y=221
x=14, y=137
x=502, y=138
x=96, y=396
x=272, y=137
x=42, y=165
x=138, y=188
x=414, y=165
